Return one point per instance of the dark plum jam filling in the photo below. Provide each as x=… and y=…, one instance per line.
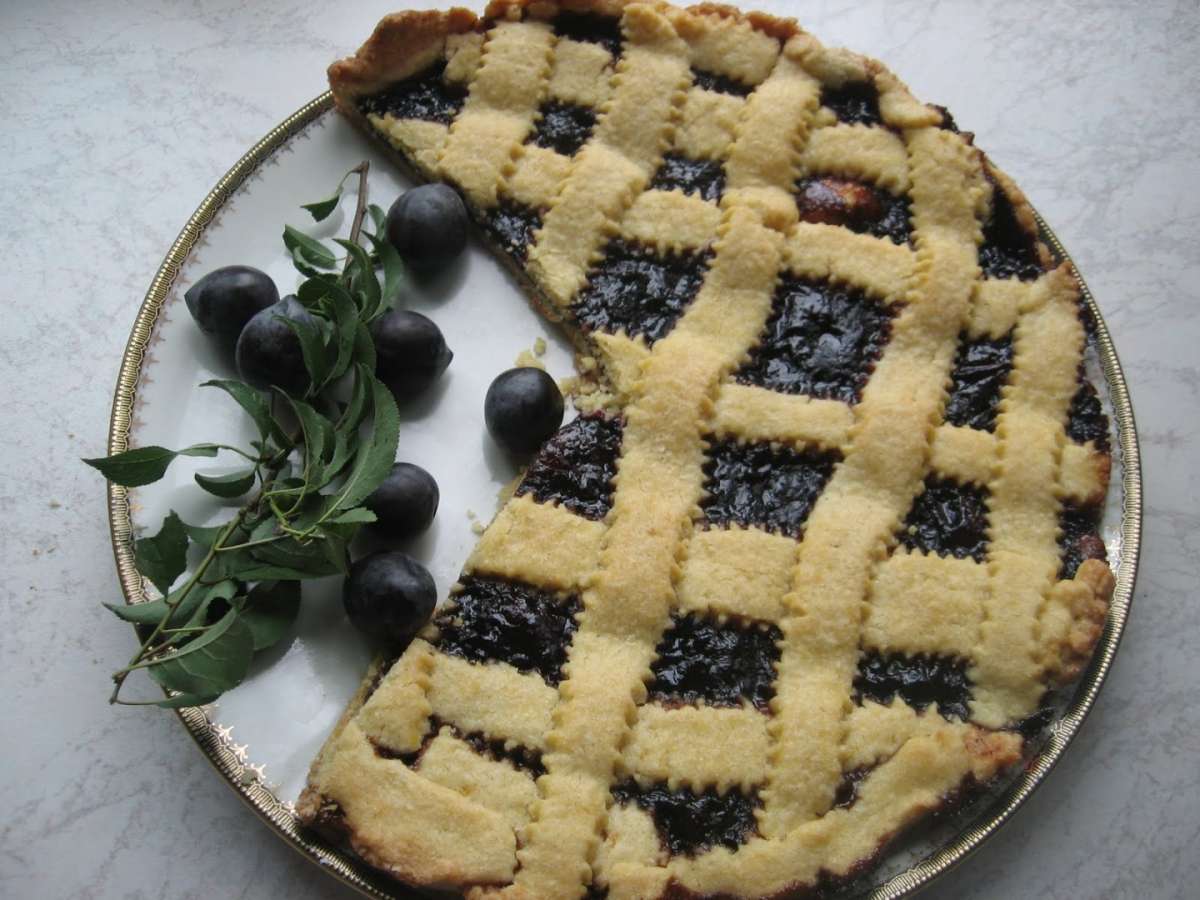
x=702, y=177
x=563, y=127
x=1086, y=420
x=511, y=228
x=688, y=822
x=1080, y=538
x=918, y=680
x=632, y=289
x=426, y=96
x=948, y=123
x=504, y=621
x=751, y=484
x=721, y=84
x=863, y=208
x=854, y=103
x=576, y=467
x=523, y=758
x=590, y=28
x=820, y=340
x=1008, y=251
x=949, y=519
x=980, y=371
x=846, y=793
x=720, y=664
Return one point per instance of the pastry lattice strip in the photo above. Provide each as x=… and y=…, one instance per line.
x=653, y=557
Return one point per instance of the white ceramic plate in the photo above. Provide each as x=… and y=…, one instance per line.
x=264, y=734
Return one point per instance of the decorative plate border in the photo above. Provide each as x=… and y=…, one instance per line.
x=230, y=760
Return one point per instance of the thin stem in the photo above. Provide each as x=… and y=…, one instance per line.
x=360, y=211
x=258, y=543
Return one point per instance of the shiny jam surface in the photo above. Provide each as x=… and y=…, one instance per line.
x=505, y=621
x=511, y=228
x=820, y=340
x=719, y=664
x=426, y=96
x=861, y=207
x=576, y=466
x=949, y=519
x=751, y=484
x=1086, y=420
x=918, y=680
x=688, y=822
x=563, y=127
x=980, y=371
x=1008, y=251
x=854, y=103
x=1080, y=538
x=703, y=177
x=635, y=290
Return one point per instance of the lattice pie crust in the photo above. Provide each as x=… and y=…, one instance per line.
x=832, y=575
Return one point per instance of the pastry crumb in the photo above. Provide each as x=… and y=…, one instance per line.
x=539, y=347
x=477, y=527
x=527, y=360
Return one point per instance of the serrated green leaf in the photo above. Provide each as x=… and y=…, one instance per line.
x=270, y=609
x=359, y=515
x=343, y=452
x=375, y=457
x=320, y=210
x=308, y=558
x=345, y=317
x=144, y=465
x=360, y=397
x=227, y=486
x=318, y=442
x=163, y=557
x=210, y=664
x=312, y=251
x=393, y=272
x=312, y=347
x=255, y=403
x=153, y=611
x=206, y=535
x=364, y=347
x=362, y=277
x=334, y=548
x=378, y=218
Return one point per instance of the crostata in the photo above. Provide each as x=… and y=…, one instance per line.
x=826, y=535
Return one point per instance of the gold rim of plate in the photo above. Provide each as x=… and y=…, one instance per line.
x=280, y=814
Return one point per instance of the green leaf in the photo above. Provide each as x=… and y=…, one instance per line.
x=375, y=457
x=318, y=439
x=270, y=608
x=227, y=486
x=321, y=209
x=362, y=276
x=308, y=559
x=334, y=548
x=309, y=249
x=144, y=465
x=364, y=347
x=312, y=346
x=360, y=395
x=206, y=535
x=345, y=327
x=163, y=557
x=393, y=271
x=210, y=664
x=378, y=218
x=359, y=515
x=152, y=613
x=255, y=403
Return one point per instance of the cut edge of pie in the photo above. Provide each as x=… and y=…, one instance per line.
x=472, y=766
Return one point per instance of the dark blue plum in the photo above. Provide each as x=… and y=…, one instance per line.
x=410, y=352
x=268, y=351
x=389, y=595
x=428, y=226
x=225, y=299
x=522, y=409
x=405, y=503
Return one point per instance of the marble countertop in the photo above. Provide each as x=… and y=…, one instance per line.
x=118, y=119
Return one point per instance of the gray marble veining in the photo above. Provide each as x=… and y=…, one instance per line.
x=118, y=117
